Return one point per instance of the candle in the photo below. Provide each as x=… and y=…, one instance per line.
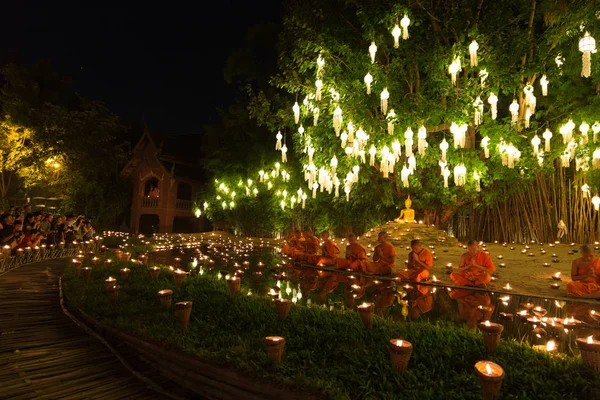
x=590, y=351
x=400, y=352
x=178, y=277
x=491, y=335
x=234, y=284
x=490, y=376
x=275, y=346
x=112, y=291
x=283, y=307
x=87, y=271
x=502, y=265
x=165, y=298
x=154, y=272
x=555, y=286
x=556, y=276
x=507, y=287
x=500, y=257
x=549, y=347
x=110, y=281
x=365, y=311
x=183, y=310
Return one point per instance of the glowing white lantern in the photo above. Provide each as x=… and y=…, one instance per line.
x=444, y=147
x=587, y=45
x=320, y=64
x=514, y=112
x=337, y=120
x=442, y=165
x=408, y=142
x=565, y=159
x=493, y=102
x=385, y=95
x=596, y=129
x=477, y=179
x=547, y=136
x=535, y=142
x=527, y=117
x=512, y=154
x=559, y=60
x=584, y=129
x=412, y=164
x=544, y=83
x=344, y=139
x=404, y=174
x=454, y=68
x=372, y=152
x=368, y=80
x=473, y=47
x=296, y=109
x=396, y=34
x=261, y=173
x=478, y=104
x=319, y=85
x=483, y=75
x=459, y=134
x=315, y=186
x=301, y=130
x=422, y=137
x=396, y=149
x=334, y=164
x=460, y=174
x=485, y=143
x=304, y=200
x=315, y=116
x=596, y=202
x=446, y=174
x=390, y=118
x=596, y=159
x=372, y=51
x=405, y=22
x=350, y=131
x=278, y=144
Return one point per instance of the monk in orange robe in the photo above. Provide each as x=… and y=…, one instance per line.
x=310, y=247
x=329, y=251
x=473, y=267
x=384, y=257
x=292, y=244
x=420, y=261
x=355, y=255
x=585, y=273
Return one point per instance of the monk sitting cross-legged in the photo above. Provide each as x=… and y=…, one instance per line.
x=355, y=255
x=293, y=243
x=384, y=256
x=585, y=273
x=420, y=261
x=329, y=251
x=473, y=267
x=311, y=247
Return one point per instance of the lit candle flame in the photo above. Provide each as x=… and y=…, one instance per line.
x=590, y=339
x=487, y=323
x=557, y=274
x=488, y=369
x=399, y=342
x=551, y=345
x=364, y=305
x=507, y=287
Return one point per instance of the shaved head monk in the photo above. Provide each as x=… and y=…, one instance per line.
x=311, y=247
x=585, y=273
x=355, y=255
x=474, y=267
x=420, y=261
x=293, y=243
x=329, y=251
x=384, y=257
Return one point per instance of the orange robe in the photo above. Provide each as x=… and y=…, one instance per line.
x=291, y=246
x=329, y=253
x=418, y=273
x=587, y=285
x=311, y=247
x=474, y=276
x=380, y=267
x=355, y=255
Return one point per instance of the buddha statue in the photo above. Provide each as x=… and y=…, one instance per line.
x=408, y=214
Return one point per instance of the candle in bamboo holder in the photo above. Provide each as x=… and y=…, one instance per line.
x=490, y=375
x=108, y=264
x=124, y=273
x=183, y=310
x=165, y=297
x=113, y=292
x=125, y=256
x=110, y=281
x=178, y=277
x=234, y=284
x=154, y=272
x=590, y=351
x=6, y=250
x=366, y=310
x=96, y=261
x=143, y=259
x=491, y=335
x=283, y=307
x=400, y=351
x=118, y=254
x=77, y=266
x=87, y=271
x=275, y=346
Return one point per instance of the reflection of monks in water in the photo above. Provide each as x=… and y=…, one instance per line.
x=329, y=282
x=582, y=312
x=420, y=300
x=384, y=297
x=473, y=306
x=309, y=280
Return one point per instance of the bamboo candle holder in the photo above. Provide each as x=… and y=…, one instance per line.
x=110, y=281
x=108, y=264
x=165, y=298
x=154, y=272
x=491, y=376
x=400, y=352
x=178, y=277
x=590, y=351
x=118, y=254
x=124, y=273
x=283, y=307
x=491, y=335
x=366, y=311
x=87, y=272
x=113, y=292
x=96, y=261
x=183, y=310
x=77, y=266
x=275, y=346
x=234, y=284
x=125, y=256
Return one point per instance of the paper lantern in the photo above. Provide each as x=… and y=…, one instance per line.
x=535, y=142
x=559, y=60
x=454, y=68
x=296, y=110
x=547, y=135
x=513, y=154
x=404, y=174
x=390, y=118
x=596, y=202
x=320, y=64
x=483, y=75
x=473, y=47
x=408, y=142
x=485, y=142
x=544, y=84
x=442, y=165
x=344, y=139
x=514, y=112
x=372, y=51
x=477, y=179
x=566, y=131
x=315, y=186
x=527, y=117
x=493, y=102
x=446, y=174
x=396, y=150
x=355, y=171
x=460, y=174
x=405, y=22
x=301, y=130
x=333, y=164
x=385, y=95
x=459, y=134
x=396, y=34
x=350, y=131
x=319, y=85
x=565, y=159
x=412, y=164
x=584, y=128
x=315, y=116
x=587, y=45
x=478, y=105
x=372, y=152
x=278, y=144
x=337, y=120
x=368, y=80
x=596, y=129
x=422, y=140
x=444, y=147
x=596, y=159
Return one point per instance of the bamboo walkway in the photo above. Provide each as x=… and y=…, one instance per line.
x=44, y=355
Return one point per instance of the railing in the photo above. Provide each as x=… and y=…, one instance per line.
x=183, y=204
x=36, y=254
x=150, y=202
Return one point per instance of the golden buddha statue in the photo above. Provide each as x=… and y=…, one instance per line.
x=408, y=214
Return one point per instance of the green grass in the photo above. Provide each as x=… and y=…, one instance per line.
x=329, y=352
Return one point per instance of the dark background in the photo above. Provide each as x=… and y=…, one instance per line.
x=162, y=62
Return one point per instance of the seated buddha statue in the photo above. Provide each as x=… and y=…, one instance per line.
x=408, y=214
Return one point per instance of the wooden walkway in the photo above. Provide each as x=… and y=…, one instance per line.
x=44, y=355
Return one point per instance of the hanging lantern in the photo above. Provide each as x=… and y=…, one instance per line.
x=368, y=80
x=296, y=109
x=334, y=164
x=311, y=154
x=478, y=104
x=454, y=69
x=587, y=45
x=460, y=174
x=261, y=173
x=581, y=164
x=459, y=134
x=385, y=95
x=493, y=102
x=527, y=117
x=396, y=34
x=477, y=179
x=559, y=60
x=596, y=129
x=596, y=202
x=596, y=159
x=350, y=131
x=278, y=144
x=344, y=138
x=584, y=129
x=405, y=22
x=315, y=186
x=372, y=152
x=315, y=116
x=514, y=111
x=483, y=75
x=372, y=51
x=565, y=159
x=442, y=166
x=396, y=150
x=535, y=142
x=547, y=136
x=446, y=174
x=485, y=143
x=319, y=85
x=511, y=153
x=337, y=120
x=390, y=117
x=320, y=64
x=284, y=150
x=301, y=130
x=544, y=83
x=540, y=159
x=473, y=47
x=355, y=171
x=444, y=147
x=384, y=167
x=304, y=200
x=567, y=131
x=404, y=174
x=422, y=137
x=408, y=142
x=336, y=182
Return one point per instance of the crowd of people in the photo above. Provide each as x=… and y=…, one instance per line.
x=21, y=228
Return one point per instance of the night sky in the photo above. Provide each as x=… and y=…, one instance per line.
x=162, y=61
